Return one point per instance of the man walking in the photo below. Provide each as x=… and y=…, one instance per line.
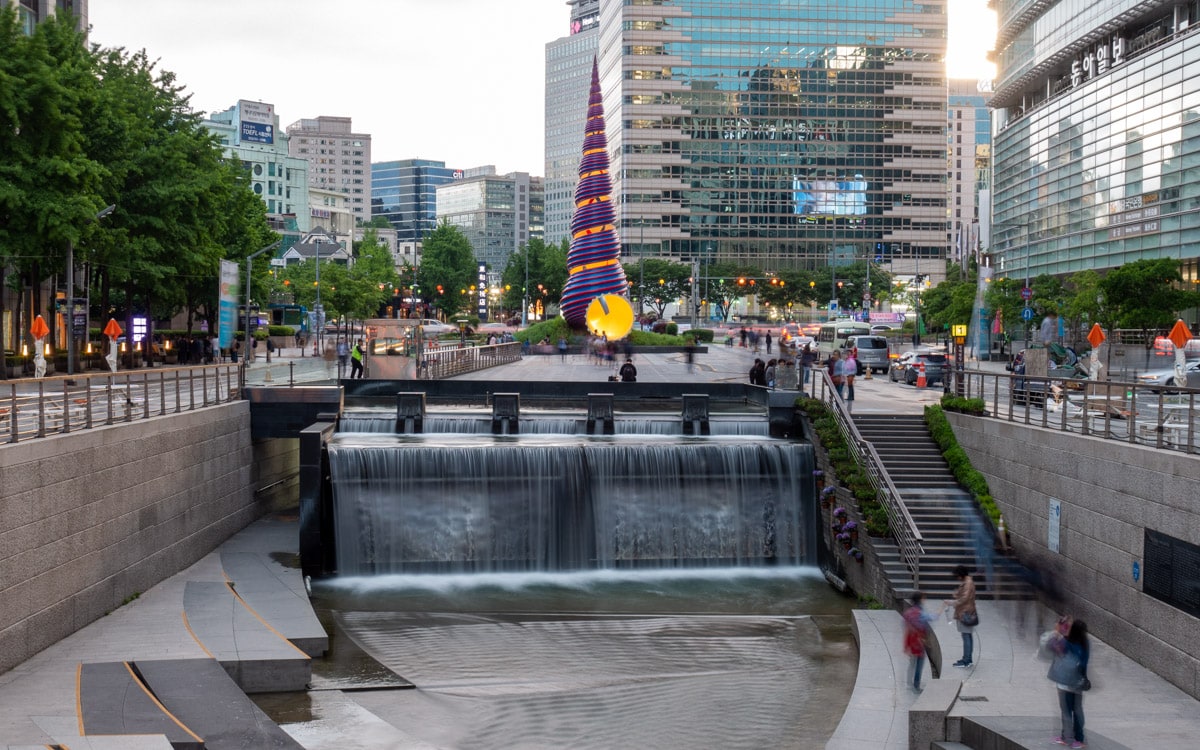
x=356, y=360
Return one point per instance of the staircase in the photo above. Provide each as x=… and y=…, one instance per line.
x=945, y=514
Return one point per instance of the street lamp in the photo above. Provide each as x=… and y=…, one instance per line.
x=249, y=263
x=71, y=293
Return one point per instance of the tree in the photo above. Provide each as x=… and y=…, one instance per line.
x=659, y=282
x=1144, y=294
x=950, y=302
x=49, y=184
x=1084, y=304
x=547, y=266
x=447, y=267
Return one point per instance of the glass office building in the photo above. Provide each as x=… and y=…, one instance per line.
x=776, y=133
x=1096, y=127
x=405, y=193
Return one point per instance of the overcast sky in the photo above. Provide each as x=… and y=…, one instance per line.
x=455, y=80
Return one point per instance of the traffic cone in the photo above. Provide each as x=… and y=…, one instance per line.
x=921, y=375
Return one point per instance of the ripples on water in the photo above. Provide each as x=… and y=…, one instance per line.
x=737, y=658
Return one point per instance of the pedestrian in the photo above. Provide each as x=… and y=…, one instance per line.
x=216, y=349
x=758, y=372
x=916, y=636
x=807, y=358
x=233, y=352
x=343, y=355
x=689, y=353
x=849, y=372
x=834, y=367
x=562, y=348
x=628, y=372
x=966, y=617
x=356, y=360
x=1069, y=674
x=768, y=342
x=1049, y=329
x=769, y=374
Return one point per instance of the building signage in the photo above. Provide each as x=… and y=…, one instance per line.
x=1134, y=217
x=1098, y=59
x=257, y=122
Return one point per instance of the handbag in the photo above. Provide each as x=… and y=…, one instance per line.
x=969, y=619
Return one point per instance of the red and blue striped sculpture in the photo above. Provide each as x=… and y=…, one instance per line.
x=593, y=268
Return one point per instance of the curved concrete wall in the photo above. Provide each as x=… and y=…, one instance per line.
x=93, y=517
x=1110, y=493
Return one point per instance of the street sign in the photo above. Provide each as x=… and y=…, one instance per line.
x=1026, y=293
x=1027, y=314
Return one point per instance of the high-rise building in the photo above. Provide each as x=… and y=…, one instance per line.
x=32, y=12
x=405, y=193
x=568, y=75
x=780, y=135
x=249, y=131
x=495, y=212
x=968, y=144
x=338, y=159
x=1096, y=121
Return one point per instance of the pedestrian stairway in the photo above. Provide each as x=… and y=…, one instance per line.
x=947, y=517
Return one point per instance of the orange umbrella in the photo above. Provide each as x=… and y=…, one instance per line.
x=113, y=329
x=39, y=329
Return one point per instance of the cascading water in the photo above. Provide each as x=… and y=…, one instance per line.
x=384, y=423
x=562, y=502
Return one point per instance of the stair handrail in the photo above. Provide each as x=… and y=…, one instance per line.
x=908, y=537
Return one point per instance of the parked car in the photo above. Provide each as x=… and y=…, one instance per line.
x=907, y=369
x=882, y=329
x=1166, y=376
x=1164, y=347
x=792, y=338
x=873, y=352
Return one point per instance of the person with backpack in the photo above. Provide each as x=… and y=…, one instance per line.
x=916, y=635
x=628, y=372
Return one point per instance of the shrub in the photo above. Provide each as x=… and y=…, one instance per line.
x=704, y=335
x=672, y=329
x=845, y=467
x=959, y=462
x=963, y=405
x=280, y=331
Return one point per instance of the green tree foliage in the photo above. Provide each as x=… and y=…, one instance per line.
x=547, y=266
x=656, y=283
x=1145, y=294
x=49, y=183
x=950, y=302
x=447, y=267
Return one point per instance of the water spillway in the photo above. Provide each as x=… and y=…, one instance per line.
x=471, y=502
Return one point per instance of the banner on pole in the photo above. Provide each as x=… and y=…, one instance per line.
x=227, y=323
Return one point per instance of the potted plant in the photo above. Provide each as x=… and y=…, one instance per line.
x=827, y=496
x=851, y=528
x=856, y=553
x=839, y=513
x=844, y=539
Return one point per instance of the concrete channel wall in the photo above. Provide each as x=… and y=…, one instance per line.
x=94, y=517
x=1109, y=493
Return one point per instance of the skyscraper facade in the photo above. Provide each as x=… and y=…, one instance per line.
x=338, y=159
x=249, y=131
x=968, y=145
x=494, y=212
x=32, y=12
x=1096, y=131
x=778, y=134
x=568, y=74
x=405, y=193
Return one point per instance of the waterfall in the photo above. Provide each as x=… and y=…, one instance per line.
x=565, y=502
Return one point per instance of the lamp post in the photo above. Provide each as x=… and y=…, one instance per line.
x=249, y=263
x=71, y=293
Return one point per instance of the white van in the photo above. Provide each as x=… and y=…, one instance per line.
x=833, y=335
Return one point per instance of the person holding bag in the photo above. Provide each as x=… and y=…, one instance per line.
x=1068, y=672
x=966, y=617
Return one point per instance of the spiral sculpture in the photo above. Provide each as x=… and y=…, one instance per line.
x=593, y=268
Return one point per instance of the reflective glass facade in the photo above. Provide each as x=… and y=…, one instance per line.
x=568, y=75
x=497, y=213
x=405, y=193
x=778, y=133
x=1097, y=135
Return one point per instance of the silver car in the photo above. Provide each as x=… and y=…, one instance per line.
x=1166, y=376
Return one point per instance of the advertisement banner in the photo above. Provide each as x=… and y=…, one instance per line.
x=227, y=322
x=256, y=121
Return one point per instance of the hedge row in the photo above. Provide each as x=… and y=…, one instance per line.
x=956, y=457
x=845, y=467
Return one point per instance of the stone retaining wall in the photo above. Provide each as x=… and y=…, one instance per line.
x=1109, y=492
x=91, y=518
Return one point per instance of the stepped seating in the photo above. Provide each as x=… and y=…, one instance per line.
x=945, y=514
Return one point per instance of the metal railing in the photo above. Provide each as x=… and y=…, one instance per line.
x=908, y=537
x=447, y=361
x=37, y=408
x=1150, y=415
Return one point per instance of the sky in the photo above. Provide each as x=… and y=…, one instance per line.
x=460, y=81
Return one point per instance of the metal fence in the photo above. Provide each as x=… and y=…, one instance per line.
x=908, y=536
x=1152, y=415
x=58, y=405
x=448, y=361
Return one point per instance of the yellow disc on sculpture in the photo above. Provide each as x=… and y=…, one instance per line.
x=611, y=315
